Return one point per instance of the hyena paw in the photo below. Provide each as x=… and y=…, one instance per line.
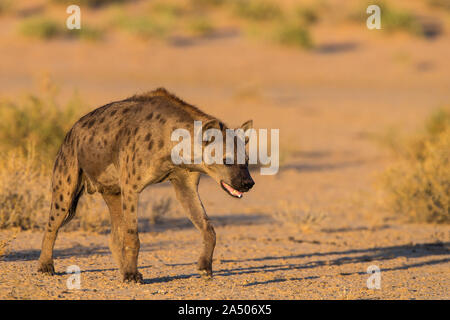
x=206, y=274
x=205, y=268
x=133, y=277
x=47, y=268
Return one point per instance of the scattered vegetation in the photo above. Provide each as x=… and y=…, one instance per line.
x=392, y=19
x=417, y=186
x=41, y=28
x=207, y=3
x=142, y=26
x=294, y=35
x=161, y=20
x=90, y=3
x=46, y=28
x=257, y=10
x=201, y=27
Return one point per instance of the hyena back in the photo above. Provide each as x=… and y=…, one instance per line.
x=118, y=150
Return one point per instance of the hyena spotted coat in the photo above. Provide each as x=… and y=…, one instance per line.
x=118, y=150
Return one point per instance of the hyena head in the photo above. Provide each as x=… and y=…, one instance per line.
x=229, y=168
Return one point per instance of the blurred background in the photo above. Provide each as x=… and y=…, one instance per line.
x=342, y=95
x=363, y=116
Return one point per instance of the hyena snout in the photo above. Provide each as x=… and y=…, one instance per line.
x=247, y=184
x=244, y=182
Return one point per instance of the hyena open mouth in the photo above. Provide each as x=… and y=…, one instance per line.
x=231, y=191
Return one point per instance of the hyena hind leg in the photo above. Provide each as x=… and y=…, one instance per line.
x=67, y=189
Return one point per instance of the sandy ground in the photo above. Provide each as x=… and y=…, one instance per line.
x=326, y=103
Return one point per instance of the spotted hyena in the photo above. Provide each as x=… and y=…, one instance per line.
x=118, y=150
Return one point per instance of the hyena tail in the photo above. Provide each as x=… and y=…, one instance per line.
x=68, y=187
x=73, y=205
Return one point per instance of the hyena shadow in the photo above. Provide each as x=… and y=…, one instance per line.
x=182, y=223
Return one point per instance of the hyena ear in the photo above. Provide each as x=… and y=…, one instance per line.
x=210, y=124
x=245, y=126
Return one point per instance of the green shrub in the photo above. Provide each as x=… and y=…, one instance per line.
x=257, y=10
x=167, y=10
x=143, y=26
x=307, y=16
x=201, y=27
x=418, y=184
x=294, y=35
x=46, y=28
x=41, y=28
x=392, y=19
x=207, y=3
x=39, y=120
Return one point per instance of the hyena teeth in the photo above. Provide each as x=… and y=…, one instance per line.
x=231, y=190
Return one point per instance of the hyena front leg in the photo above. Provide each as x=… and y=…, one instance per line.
x=186, y=189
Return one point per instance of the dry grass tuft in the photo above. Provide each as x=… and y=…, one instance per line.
x=4, y=244
x=24, y=191
x=303, y=218
x=417, y=186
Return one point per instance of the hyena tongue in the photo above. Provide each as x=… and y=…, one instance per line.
x=231, y=190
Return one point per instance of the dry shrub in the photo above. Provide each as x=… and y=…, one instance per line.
x=418, y=184
x=303, y=218
x=24, y=191
x=4, y=244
